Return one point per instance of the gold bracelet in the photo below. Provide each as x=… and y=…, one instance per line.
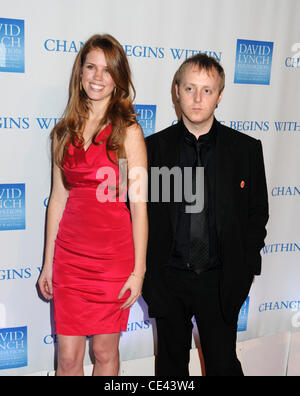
x=137, y=276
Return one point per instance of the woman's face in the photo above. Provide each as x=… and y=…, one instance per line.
x=96, y=79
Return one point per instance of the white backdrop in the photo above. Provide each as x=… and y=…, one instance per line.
x=257, y=42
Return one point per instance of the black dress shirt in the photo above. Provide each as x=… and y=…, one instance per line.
x=187, y=153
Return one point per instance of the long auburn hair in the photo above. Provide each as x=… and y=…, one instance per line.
x=119, y=113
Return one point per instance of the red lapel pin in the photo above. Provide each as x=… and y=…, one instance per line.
x=242, y=184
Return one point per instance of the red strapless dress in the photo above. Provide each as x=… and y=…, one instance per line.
x=94, y=251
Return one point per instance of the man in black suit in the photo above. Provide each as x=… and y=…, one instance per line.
x=202, y=264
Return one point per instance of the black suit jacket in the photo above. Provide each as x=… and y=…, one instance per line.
x=241, y=217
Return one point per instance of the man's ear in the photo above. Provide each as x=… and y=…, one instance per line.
x=177, y=91
x=220, y=97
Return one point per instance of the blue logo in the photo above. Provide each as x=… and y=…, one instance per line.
x=46, y=201
x=286, y=191
x=243, y=316
x=289, y=247
x=13, y=348
x=13, y=274
x=12, y=53
x=52, y=45
x=12, y=207
x=293, y=305
x=253, y=62
x=142, y=325
x=146, y=116
x=294, y=61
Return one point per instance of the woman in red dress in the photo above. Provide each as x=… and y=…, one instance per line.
x=95, y=250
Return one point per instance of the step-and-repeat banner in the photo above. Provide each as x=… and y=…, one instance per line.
x=258, y=44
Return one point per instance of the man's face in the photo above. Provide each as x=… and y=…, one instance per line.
x=198, y=95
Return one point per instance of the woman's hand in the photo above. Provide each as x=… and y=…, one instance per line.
x=45, y=283
x=134, y=284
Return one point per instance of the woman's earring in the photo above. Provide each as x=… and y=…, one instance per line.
x=80, y=86
x=115, y=91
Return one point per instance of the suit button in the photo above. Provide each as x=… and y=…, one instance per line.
x=188, y=265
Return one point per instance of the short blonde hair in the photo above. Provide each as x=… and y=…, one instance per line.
x=203, y=62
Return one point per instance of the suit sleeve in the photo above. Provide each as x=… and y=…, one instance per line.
x=258, y=210
x=154, y=289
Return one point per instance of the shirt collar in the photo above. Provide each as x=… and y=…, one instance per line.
x=208, y=138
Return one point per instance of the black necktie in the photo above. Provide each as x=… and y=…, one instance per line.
x=199, y=236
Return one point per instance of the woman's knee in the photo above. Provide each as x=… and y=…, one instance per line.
x=105, y=352
x=70, y=354
x=70, y=360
